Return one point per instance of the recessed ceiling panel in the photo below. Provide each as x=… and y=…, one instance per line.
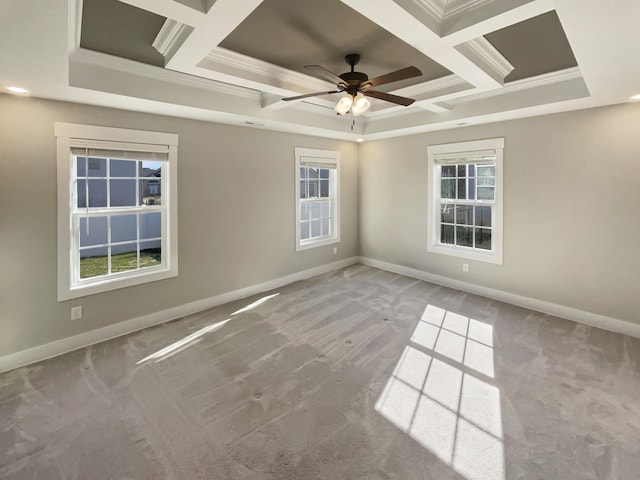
x=112, y=27
x=294, y=33
x=536, y=46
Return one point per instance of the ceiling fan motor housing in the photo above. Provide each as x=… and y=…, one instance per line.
x=354, y=79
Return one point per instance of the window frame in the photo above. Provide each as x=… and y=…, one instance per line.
x=328, y=157
x=69, y=135
x=495, y=255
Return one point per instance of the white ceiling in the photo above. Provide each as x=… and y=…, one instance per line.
x=204, y=81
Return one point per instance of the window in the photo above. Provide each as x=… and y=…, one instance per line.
x=317, y=199
x=117, y=208
x=465, y=199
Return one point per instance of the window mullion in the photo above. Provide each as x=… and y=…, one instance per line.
x=75, y=255
x=473, y=226
x=108, y=169
x=115, y=244
x=86, y=188
x=103, y=212
x=109, y=245
x=138, y=168
x=138, y=238
x=97, y=245
x=455, y=224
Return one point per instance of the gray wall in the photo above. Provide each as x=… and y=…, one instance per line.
x=236, y=217
x=571, y=202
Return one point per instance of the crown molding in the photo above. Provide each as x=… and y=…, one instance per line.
x=89, y=57
x=432, y=86
x=432, y=9
x=169, y=37
x=228, y=58
x=456, y=8
x=439, y=7
x=75, y=25
x=524, y=84
x=439, y=10
x=472, y=93
x=481, y=49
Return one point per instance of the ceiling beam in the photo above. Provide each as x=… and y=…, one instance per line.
x=227, y=66
x=194, y=50
x=391, y=16
x=490, y=17
x=170, y=9
x=222, y=18
x=433, y=107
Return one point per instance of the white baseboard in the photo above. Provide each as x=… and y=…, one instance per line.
x=48, y=350
x=580, y=316
x=53, y=349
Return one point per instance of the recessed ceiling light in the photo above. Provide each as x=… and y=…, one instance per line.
x=360, y=140
x=636, y=97
x=15, y=89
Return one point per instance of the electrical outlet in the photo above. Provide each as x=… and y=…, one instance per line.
x=465, y=267
x=76, y=313
x=335, y=250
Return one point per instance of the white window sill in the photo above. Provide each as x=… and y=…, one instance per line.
x=112, y=283
x=317, y=243
x=461, y=252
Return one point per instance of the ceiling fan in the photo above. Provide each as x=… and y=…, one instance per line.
x=357, y=86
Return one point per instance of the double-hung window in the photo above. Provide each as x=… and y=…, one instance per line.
x=465, y=199
x=117, y=208
x=317, y=197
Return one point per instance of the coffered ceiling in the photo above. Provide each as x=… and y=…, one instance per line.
x=233, y=61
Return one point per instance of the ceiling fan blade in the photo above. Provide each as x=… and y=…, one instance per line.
x=310, y=95
x=321, y=72
x=398, y=75
x=389, y=97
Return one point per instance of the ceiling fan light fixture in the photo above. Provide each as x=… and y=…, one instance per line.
x=352, y=84
x=360, y=105
x=344, y=104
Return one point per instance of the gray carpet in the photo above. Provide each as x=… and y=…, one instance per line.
x=357, y=374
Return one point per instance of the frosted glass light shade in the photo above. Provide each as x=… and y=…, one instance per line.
x=360, y=105
x=344, y=104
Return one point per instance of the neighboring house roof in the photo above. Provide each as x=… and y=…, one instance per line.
x=152, y=172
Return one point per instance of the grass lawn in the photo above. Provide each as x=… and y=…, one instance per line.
x=97, y=266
